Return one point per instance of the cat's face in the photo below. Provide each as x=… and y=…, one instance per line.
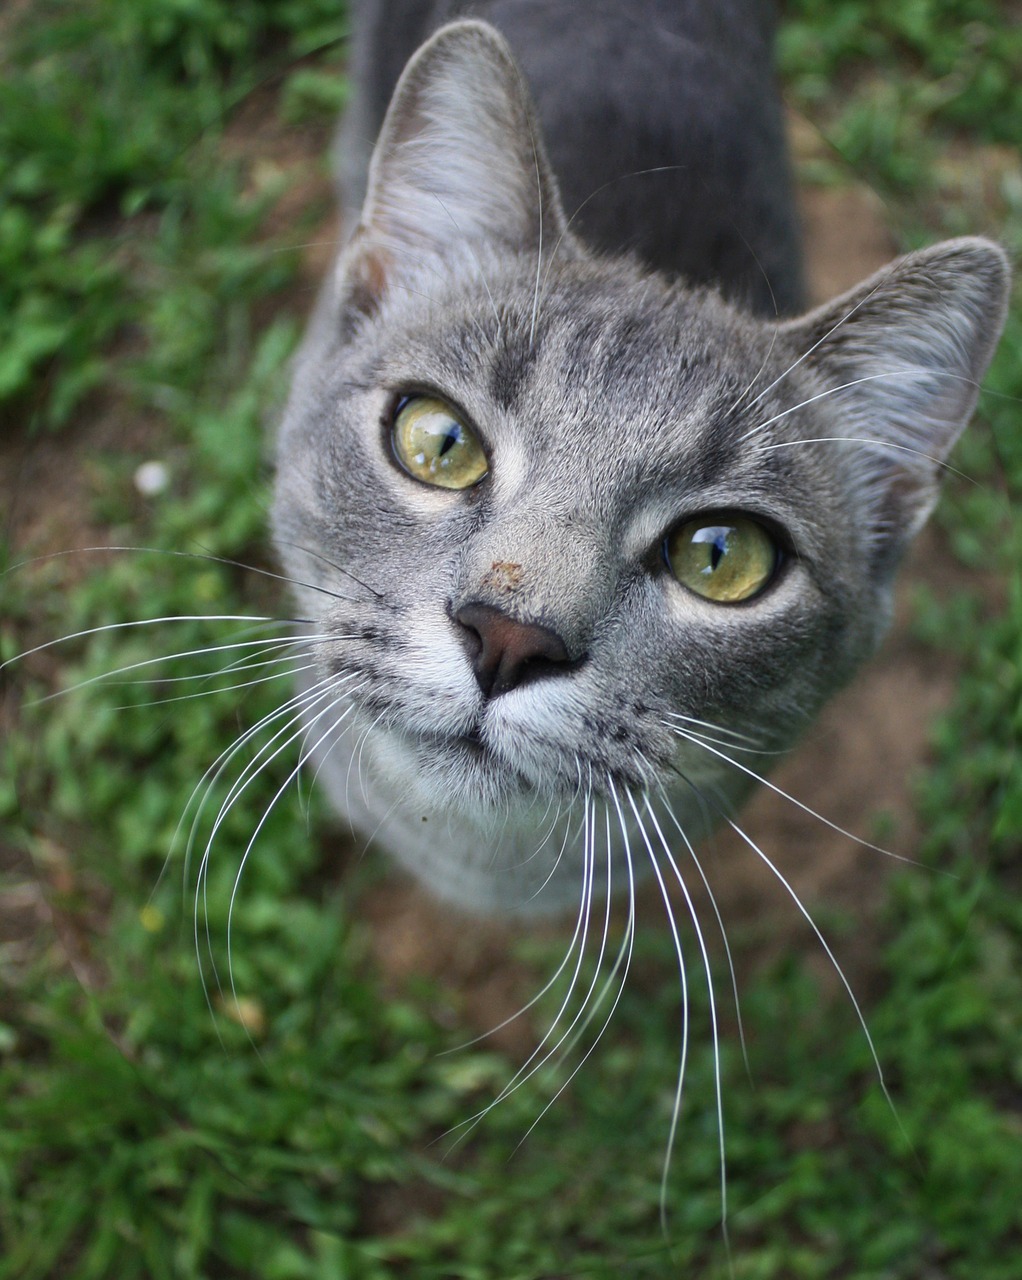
x=570, y=529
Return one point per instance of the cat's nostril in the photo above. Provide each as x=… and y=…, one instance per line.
x=504, y=652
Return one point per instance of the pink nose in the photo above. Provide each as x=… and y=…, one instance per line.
x=506, y=653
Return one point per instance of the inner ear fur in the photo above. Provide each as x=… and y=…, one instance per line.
x=902, y=356
x=459, y=163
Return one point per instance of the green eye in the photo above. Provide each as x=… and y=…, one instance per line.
x=727, y=559
x=435, y=447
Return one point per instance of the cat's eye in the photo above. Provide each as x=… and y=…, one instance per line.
x=726, y=558
x=435, y=446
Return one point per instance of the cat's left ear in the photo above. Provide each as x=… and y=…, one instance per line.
x=901, y=356
x=459, y=162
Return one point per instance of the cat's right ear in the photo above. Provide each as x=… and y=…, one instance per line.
x=901, y=358
x=459, y=163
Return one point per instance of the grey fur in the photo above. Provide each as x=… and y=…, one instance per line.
x=614, y=402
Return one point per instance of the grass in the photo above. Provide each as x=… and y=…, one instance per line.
x=149, y=295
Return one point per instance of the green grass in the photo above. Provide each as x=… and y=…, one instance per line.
x=146, y=284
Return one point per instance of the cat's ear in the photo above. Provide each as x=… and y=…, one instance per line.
x=459, y=162
x=901, y=356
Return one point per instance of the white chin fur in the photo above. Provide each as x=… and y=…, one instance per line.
x=481, y=836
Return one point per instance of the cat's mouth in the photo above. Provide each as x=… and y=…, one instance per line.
x=473, y=741
x=465, y=762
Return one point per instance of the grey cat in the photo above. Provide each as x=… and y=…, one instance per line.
x=578, y=520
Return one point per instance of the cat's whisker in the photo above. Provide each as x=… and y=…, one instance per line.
x=301, y=704
x=292, y=710
x=287, y=579
x=819, y=342
x=917, y=371
x=550, y=983
x=589, y=1006
x=679, y=1090
x=243, y=663
x=566, y=843
x=143, y=663
x=635, y=173
x=326, y=753
x=647, y=771
x=714, y=1027
x=881, y=446
x=288, y=673
x=305, y=754
x=732, y=746
x=142, y=622
x=690, y=848
x=622, y=963
x=552, y=803
x=247, y=662
x=804, y=912
x=723, y=730
x=215, y=771
x=201, y=884
x=585, y=916
x=538, y=1058
x=764, y=781
x=467, y=243
x=206, y=556
x=524, y=92
x=756, y=376
x=331, y=564
x=356, y=758
x=326, y=690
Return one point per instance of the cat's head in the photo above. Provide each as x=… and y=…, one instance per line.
x=568, y=524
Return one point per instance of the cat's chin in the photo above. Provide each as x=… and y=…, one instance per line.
x=458, y=773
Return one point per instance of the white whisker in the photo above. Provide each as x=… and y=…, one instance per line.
x=246, y=662
x=216, y=770
x=804, y=912
x=141, y=622
x=716, y=911
x=166, y=657
x=467, y=243
x=714, y=1029
x=683, y=1061
x=289, y=673
x=809, y=351
x=881, y=445
x=249, y=773
x=588, y=1008
x=304, y=755
x=714, y=728
x=771, y=786
x=911, y=370
x=538, y=1059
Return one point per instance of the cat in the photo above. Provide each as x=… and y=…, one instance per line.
x=582, y=513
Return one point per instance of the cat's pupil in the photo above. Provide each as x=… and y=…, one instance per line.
x=718, y=546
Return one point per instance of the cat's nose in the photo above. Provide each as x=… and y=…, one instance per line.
x=506, y=653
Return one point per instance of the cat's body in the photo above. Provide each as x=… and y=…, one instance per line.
x=530, y=679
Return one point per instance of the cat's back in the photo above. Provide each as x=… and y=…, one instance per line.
x=661, y=120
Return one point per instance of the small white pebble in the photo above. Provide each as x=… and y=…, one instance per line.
x=152, y=478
